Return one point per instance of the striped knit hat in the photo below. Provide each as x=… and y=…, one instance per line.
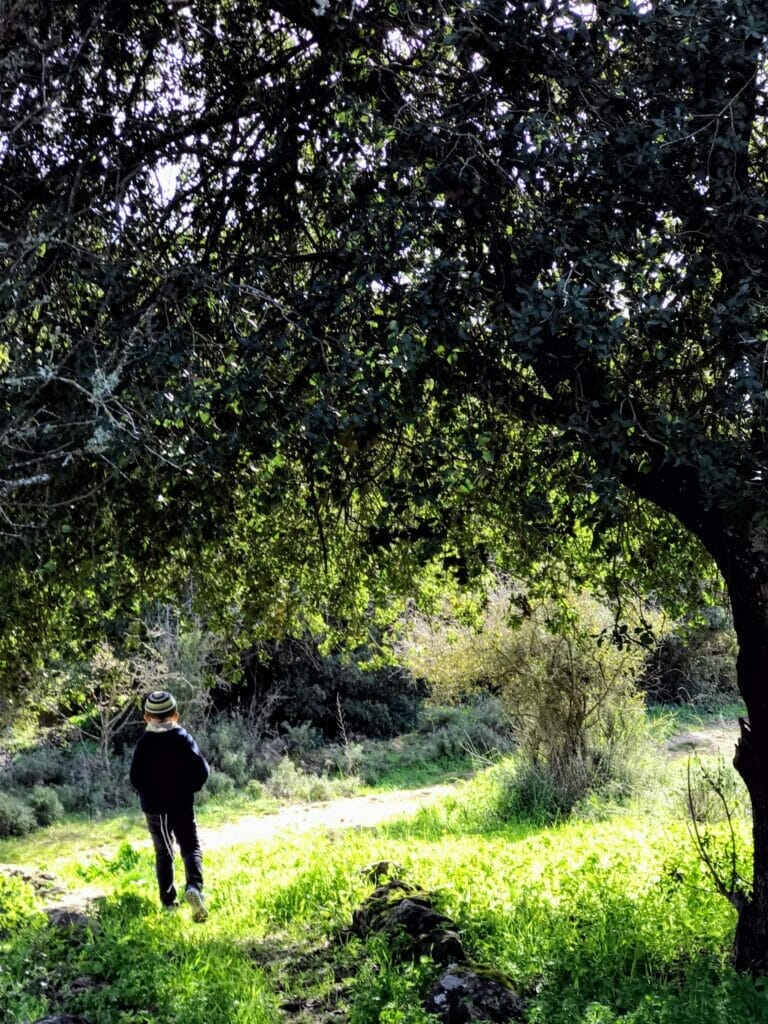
x=160, y=703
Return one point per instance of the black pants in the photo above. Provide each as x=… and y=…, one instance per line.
x=181, y=826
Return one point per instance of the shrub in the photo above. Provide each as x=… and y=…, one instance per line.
x=302, y=739
x=288, y=782
x=300, y=686
x=17, y=904
x=16, y=817
x=38, y=766
x=219, y=782
x=230, y=743
x=569, y=689
x=696, y=665
x=46, y=805
x=73, y=798
x=526, y=792
x=480, y=728
x=235, y=764
x=256, y=790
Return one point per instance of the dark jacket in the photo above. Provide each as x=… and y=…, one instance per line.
x=167, y=770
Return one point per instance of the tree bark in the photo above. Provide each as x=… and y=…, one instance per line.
x=748, y=588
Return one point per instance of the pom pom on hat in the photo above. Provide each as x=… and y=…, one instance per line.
x=160, y=703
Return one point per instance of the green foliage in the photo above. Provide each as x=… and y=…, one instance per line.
x=251, y=765
x=238, y=748
x=388, y=991
x=302, y=739
x=17, y=905
x=16, y=817
x=289, y=782
x=46, y=805
x=302, y=688
x=40, y=765
x=447, y=740
x=460, y=282
x=694, y=666
x=219, y=783
x=68, y=777
x=123, y=862
x=714, y=792
x=600, y=921
x=21, y=922
x=565, y=682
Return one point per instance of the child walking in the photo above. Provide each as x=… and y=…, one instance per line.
x=167, y=769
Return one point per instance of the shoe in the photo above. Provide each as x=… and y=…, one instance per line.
x=170, y=907
x=195, y=899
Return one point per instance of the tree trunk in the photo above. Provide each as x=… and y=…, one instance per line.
x=749, y=601
x=750, y=948
x=740, y=549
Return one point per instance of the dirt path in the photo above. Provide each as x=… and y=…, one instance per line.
x=346, y=812
x=709, y=739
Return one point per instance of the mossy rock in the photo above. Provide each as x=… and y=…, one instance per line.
x=464, y=994
x=398, y=910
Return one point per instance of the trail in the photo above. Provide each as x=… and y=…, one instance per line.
x=345, y=812
x=712, y=739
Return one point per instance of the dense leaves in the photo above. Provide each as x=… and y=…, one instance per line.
x=253, y=250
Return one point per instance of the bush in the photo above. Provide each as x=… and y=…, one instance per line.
x=73, y=798
x=232, y=745
x=16, y=817
x=46, y=805
x=693, y=666
x=299, y=686
x=480, y=728
x=219, y=782
x=17, y=905
x=526, y=792
x=288, y=782
x=569, y=689
x=235, y=764
x=38, y=766
x=302, y=739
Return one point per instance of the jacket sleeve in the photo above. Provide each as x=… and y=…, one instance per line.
x=135, y=774
x=198, y=768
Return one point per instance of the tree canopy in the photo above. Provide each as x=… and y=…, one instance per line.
x=253, y=250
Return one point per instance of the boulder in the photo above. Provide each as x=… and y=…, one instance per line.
x=462, y=994
x=398, y=910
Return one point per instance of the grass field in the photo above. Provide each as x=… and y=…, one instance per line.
x=605, y=918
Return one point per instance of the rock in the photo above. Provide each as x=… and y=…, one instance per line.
x=85, y=983
x=397, y=910
x=72, y=917
x=443, y=946
x=43, y=882
x=381, y=869
x=462, y=995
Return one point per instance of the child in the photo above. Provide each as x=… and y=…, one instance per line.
x=167, y=770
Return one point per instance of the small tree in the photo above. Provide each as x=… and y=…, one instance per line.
x=562, y=678
x=110, y=690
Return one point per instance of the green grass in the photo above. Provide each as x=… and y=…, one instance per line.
x=595, y=922
x=605, y=918
x=80, y=835
x=412, y=776
x=672, y=718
